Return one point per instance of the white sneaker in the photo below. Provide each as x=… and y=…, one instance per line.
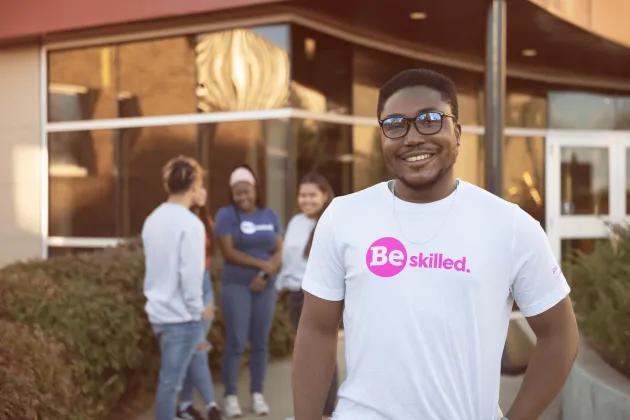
x=231, y=407
x=259, y=406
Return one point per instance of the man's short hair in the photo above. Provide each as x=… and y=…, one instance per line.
x=419, y=77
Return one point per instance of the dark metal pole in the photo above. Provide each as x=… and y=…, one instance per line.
x=495, y=95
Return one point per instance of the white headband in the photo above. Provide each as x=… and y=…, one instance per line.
x=242, y=175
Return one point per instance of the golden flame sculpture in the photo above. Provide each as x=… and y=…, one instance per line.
x=240, y=70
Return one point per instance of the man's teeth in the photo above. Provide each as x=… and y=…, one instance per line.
x=418, y=157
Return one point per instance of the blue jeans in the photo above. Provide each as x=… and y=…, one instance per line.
x=198, y=373
x=177, y=342
x=248, y=317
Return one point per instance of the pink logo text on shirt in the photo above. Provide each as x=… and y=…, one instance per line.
x=387, y=257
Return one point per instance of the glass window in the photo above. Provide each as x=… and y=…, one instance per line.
x=623, y=113
x=524, y=174
x=584, y=180
x=82, y=84
x=155, y=77
x=327, y=149
x=368, y=165
x=583, y=110
x=526, y=110
x=104, y=183
x=82, y=184
x=526, y=104
x=576, y=110
x=243, y=69
x=469, y=87
x=263, y=145
x=470, y=162
x=226, y=145
x=321, y=72
x=372, y=68
x=143, y=153
x=469, y=94
x=278, y=176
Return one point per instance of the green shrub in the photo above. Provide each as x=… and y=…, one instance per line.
x=92, y=303
x=601, y=294
x=86, y=312
x=35, y=379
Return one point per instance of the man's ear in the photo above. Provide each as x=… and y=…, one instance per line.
x=458, y=133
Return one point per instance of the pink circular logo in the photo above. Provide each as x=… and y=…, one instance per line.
x=386, y=257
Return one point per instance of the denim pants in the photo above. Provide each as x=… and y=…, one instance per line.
x=198, y=373
x=177, y=342
x=248, y=317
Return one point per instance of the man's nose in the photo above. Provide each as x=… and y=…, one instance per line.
x=413, y=137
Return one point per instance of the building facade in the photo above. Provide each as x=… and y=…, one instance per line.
x=96, y=99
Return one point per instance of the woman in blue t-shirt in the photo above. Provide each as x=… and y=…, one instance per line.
x=250, y=241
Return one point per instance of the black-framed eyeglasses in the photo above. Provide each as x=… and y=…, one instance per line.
x=426, y=123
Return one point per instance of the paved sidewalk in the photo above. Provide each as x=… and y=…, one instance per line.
x=278, y=391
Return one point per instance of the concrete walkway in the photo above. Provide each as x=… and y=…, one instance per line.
x=278, y=391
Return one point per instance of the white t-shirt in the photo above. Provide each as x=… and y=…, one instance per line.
x=425, y=324
x=293, y=260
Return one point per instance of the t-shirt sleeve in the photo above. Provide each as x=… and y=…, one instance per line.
x=275, y=220
x=325, y=273
x=537, y=281
x=224, y=221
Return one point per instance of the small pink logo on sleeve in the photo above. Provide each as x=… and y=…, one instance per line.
x=386, y=257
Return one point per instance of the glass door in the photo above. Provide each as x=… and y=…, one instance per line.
x=588, y=186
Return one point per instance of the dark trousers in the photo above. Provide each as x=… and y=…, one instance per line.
x=295, y=301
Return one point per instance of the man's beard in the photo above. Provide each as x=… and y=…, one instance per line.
x=430, y=183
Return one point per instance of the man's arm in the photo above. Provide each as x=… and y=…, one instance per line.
x=314, y=355
x=556, y=348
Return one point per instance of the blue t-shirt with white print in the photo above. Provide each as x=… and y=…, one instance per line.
x=253, y=233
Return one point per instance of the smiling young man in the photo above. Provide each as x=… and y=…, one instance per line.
x=427, y=268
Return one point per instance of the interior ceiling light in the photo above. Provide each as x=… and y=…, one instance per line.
x=529, y=52
x=418, y=15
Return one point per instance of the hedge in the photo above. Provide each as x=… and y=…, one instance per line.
x=601, y=294
x=74, y=332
